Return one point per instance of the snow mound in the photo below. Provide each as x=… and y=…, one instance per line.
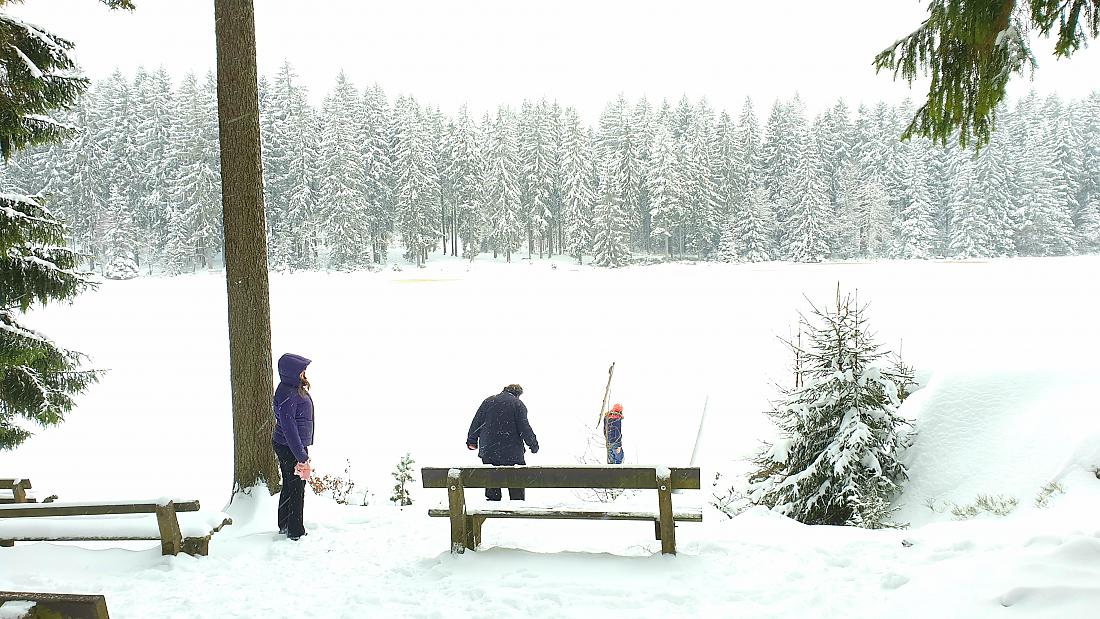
x=1006, y=433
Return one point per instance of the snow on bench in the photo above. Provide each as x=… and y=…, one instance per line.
x=467, y=520
x=155, y=519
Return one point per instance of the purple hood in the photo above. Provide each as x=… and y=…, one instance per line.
x=290, y=369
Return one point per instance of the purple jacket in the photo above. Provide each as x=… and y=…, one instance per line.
x=293, y=412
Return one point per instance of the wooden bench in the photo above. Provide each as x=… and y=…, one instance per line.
x=64, y=605
x=466, y=523
x=18, y=489
x=65, y=529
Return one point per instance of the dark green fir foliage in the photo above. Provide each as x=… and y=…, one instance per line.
x=836, y=460
x=38, y=379
x=971, y=48
x=402, y=475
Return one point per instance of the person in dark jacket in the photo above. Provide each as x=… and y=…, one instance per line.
x=293, y=435
x=498, y=432
x=613, y=434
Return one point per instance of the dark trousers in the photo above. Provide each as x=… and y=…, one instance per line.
x=494, y=494
x=292, y=498
x=615, y=453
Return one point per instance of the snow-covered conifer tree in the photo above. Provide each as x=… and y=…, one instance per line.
x=502, y=189
x=915, y=236
x=665, y=189
x=611, y=243
x=837, y=458
x=578, y=194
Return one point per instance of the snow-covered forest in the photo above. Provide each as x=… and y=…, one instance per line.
x=346, y=183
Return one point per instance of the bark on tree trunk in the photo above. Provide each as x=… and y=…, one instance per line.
x=245, y=247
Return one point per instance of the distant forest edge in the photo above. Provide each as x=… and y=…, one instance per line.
x=139, y=185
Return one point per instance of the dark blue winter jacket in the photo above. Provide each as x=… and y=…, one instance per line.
x=293, y=411
x=613, y=429
x=500, y=428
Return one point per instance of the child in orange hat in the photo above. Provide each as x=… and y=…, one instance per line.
x=613, y=434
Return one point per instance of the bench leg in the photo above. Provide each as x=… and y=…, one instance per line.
x=170, y=537
x=657, y=530
x=456, y=502
x=666, y=524
x=473, y=531
x=196, y=546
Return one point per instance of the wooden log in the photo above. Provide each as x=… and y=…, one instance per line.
x=456, y=503
x=28, y=510
x=67, y=605
x=603, y=476
x=667, y=523
x=171, y=540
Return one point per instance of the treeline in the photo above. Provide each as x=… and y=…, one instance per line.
x=346, y=183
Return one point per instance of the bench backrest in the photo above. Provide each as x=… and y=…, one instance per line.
x=23, y=510
x=11, y=484
x=624, y=477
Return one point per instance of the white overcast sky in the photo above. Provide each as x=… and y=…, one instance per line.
x=581, y=52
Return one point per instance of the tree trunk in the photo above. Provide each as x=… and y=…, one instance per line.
x=245, y=247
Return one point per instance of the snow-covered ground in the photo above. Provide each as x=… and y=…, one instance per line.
x=1005, y=350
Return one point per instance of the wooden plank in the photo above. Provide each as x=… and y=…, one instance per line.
x=171, y=540
x=80, y=538
x=70, y=606
x=568, y=514
x=624, y=477
x=8, y=484
x=456, y=503
x=664, y=502
x=29, y=510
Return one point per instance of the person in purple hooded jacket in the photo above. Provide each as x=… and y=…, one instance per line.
x=292, y=437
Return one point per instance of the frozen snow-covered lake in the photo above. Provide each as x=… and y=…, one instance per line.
x=1006, y=349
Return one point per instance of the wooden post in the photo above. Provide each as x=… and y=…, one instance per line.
x=473, y=531
x=19, y=493
x=171, y=540
x=664, y=501
x=456, y=502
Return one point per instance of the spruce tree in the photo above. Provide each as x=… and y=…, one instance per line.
x=915, y=234
x=343, y=202
x=755, y=228
x=38, y=379
x=837, y=458
x=578, y=194
x=502, y=189
x=402, y=475
x=665, y=189
x=467, y=169
x=612, y=236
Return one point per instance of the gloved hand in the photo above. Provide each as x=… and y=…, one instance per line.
x=303, y=470
x=535, y=449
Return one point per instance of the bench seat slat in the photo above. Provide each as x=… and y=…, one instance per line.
x=568, y=514
x=98, y=508
x=117, y=527
x=625, y=477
